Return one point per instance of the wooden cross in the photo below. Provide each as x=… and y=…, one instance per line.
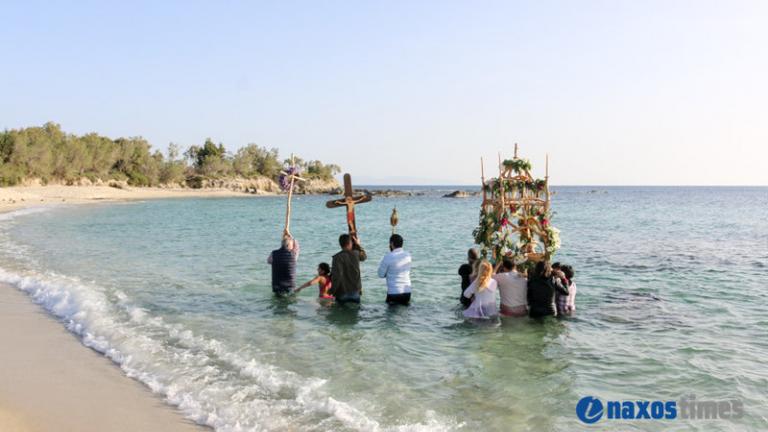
x=293, y=178
x=349, y=202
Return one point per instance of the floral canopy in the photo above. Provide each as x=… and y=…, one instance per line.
x=515, y=215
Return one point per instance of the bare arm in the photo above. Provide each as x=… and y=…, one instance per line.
x=497, y=267
x=310, y=283
x=560, y=287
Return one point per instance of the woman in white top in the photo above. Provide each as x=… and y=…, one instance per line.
x=513, y=288
x=484, y=290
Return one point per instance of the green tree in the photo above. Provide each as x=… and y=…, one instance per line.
x=253, y=160
x=48, y=153
x=172, y=169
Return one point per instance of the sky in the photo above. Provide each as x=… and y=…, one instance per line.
x=411, y=92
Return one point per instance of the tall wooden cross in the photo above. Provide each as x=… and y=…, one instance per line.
x=349, y=202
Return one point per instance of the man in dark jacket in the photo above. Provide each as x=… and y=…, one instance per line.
x=345, y=270
x=283, y=263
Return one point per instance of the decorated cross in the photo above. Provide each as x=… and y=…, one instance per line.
x=349, y=202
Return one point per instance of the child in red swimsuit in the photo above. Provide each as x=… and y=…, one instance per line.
x=323, y=281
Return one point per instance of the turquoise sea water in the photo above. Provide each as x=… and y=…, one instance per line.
x=671, y=302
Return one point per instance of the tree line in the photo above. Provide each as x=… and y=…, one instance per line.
x=51, y=155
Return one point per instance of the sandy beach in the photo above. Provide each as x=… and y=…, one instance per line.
x=49, y=381
x=16, y=197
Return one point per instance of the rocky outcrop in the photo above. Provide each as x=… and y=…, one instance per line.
x=387, y=193
x=460, y=194
x=262, y=185
x=317, y=186
x=82, y=181
x=258, y=185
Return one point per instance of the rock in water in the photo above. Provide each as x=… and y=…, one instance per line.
x=456, y=194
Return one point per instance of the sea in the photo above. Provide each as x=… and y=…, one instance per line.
x=672, y=304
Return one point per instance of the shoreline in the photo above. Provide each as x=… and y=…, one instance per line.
x=49, y=380
x=19, y=197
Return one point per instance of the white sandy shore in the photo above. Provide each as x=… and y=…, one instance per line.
x=12, y=198
x=49, y=381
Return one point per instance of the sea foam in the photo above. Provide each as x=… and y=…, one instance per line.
x=211, y=383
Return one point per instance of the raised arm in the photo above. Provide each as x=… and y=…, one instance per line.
x=497, y=267
x=362, y=256
x=296, y=249
x=560, y=287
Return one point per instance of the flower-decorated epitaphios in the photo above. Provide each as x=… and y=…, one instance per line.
x=515, y=217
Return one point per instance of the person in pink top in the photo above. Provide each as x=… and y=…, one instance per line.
x=323, y=281
x=570, y=305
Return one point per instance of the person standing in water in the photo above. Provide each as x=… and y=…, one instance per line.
x=570, y=303
x=482, y=291
x=346, y=283
x=323, y=281
x=396, y=267
x=283, y=262
x=542, y=286
x=466, y=271
x=512, y=290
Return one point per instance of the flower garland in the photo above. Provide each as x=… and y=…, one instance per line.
x=495, y=234
x=285, y=177
x=498, y=237
x=535, y=186
x=518, y=165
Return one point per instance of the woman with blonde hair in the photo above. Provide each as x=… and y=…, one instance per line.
x=484, y=289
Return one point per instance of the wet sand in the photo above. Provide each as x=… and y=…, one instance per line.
x=49, y=381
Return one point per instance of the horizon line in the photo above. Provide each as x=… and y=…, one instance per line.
x=570, y=185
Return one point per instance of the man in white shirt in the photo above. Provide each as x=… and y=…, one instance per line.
x=513, y=290
x=396, y=267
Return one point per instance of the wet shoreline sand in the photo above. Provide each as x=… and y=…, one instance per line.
x=49, y=381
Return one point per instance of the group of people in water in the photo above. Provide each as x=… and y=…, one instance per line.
x=549, y=290
x=341, y=281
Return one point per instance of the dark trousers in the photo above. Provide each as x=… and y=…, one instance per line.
x=348, y=298
x=398, y=299
x=282, y=292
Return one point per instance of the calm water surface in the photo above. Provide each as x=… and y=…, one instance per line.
x=671, y=302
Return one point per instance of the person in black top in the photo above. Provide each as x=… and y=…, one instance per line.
x=542, y=286
x=346, y=283
x=283, y=262
x=465, y=271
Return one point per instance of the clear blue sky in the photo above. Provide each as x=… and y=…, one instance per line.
x=618, y=92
